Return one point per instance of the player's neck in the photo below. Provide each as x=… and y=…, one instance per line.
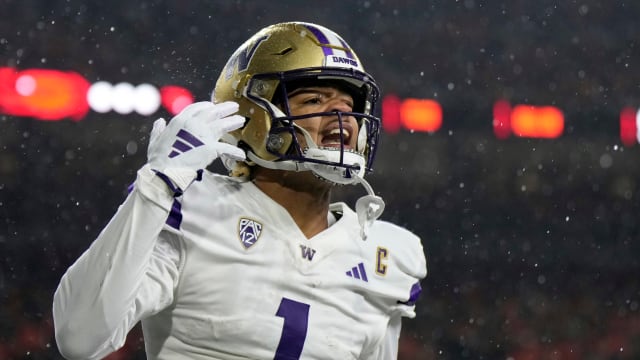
x=305, y=197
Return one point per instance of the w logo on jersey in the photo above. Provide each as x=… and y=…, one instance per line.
x=185, y=141
x=307, y=252
x=249, y=232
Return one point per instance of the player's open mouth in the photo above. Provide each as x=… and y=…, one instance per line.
x=334, y=137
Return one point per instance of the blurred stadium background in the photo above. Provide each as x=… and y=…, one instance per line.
x=532, y=242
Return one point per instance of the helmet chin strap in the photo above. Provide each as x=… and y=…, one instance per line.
x=335, y=174
x=368, y=207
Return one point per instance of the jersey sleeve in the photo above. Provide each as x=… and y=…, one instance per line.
x=388, y=347
x=401, y=265
x=127, y=273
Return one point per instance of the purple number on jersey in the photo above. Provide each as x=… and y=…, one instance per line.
x=294, y=331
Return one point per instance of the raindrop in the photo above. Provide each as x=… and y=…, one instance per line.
x=606, y=161
x=132, y=148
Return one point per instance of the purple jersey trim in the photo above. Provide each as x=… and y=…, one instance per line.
x=176, y=190
x=175, y=215
x=414, y=294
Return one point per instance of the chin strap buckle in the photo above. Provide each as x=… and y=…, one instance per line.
x=368, y=208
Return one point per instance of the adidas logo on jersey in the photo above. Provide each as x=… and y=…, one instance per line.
x=358, y=272
x=185, y=142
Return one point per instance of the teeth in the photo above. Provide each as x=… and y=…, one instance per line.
x=345, y=132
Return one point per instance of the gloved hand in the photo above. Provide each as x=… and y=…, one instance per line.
x=190, y=142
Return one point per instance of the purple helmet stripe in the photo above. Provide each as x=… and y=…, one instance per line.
x=321, y=38
x=346, y=46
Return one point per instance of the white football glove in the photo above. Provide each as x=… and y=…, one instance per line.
x=190, y=142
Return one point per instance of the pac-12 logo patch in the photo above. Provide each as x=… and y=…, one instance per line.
x=249, y=232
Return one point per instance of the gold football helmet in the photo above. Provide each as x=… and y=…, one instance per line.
x=258, y=76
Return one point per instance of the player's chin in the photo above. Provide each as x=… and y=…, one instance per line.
x=307, y=181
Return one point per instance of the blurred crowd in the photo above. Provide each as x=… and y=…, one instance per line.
x=531, y=244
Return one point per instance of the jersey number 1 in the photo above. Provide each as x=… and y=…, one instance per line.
x=294, y=331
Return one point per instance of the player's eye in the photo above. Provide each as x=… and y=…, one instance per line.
x=313, y=100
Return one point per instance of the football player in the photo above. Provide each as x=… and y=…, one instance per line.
x=259, y=264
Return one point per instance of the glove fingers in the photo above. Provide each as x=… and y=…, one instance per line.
x=227, y=124
x=193, y=109
x=215, y=112
x=223, y=109
x=207, y=113
x=158, y=126
x=229, y=151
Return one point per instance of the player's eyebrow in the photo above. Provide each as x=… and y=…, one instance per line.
x=305, y=90
x=322, y=90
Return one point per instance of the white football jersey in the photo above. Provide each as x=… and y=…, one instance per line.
x=253, y=286
x=231, y=276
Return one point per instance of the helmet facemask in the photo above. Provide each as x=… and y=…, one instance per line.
x=336, y=164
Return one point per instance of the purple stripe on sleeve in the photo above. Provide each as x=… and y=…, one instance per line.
x=175, y=215
x=176, y=190
x=188, y=137
x=414, y=294
x=321, y=38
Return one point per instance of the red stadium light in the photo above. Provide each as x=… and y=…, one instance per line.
x=422, y=115
x=502, y=119
x=55, y=95
x=527, y=121
x=175, y=98
x=391, y=114
x=43, y=94
x=629, y=119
